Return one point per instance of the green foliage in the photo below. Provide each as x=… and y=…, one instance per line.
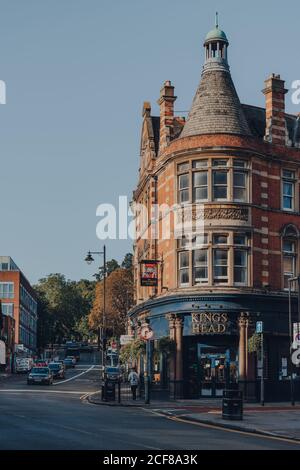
x=166, y=345
x=254, y=343
x=62, y=306
x=127, y=261
x=132, y=351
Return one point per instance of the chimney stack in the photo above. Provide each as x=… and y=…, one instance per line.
x=275, y=110
x=146, y=109
x=166, y=104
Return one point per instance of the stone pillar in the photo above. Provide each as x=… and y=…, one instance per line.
x=171, y=318
x=243, y=324
x=179, y=322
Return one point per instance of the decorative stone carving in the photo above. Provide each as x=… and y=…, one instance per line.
x=213, y=213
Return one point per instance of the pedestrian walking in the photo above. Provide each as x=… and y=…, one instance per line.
x=134, y=381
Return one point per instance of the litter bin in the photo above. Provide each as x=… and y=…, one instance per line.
x=109, y=391
x=232, y=405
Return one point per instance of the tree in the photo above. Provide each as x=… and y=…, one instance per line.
x=119, y=299
x=111, y=266
x=127, y=261
x=62, y=303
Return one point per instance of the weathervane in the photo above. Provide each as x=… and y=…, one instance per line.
x=217, y=19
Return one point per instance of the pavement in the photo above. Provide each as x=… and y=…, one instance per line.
x=272, y=419
x=60, y=417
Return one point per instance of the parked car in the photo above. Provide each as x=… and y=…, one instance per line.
x=41, y=375
x=113, y=374
x=58, y=371
x=61, y=363
x=68, y=362
x=73, y=358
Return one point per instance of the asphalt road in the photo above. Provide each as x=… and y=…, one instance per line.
x=55, y=417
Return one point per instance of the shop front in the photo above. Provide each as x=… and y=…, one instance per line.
x=215, y=344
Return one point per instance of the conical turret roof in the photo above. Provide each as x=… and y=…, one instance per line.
x=216, y=108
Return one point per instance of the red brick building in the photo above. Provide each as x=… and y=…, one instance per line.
x=234, y=169
x=19, y=308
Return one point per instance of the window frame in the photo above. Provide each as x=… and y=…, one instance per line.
x=207, y=242
x=228, y=165
x=292, y=181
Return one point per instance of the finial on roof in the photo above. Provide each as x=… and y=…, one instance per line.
x=217, y=19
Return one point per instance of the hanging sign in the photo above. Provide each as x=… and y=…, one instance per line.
x=149, y=273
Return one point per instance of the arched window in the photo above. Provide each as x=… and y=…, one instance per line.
x=290, y=235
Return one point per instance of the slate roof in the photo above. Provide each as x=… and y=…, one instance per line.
x=256, y=118
x=216, y=108
x=156, y=131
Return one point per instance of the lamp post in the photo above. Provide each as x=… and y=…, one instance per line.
x=89, y=259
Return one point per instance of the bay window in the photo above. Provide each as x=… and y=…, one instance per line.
x=213, y=259
x=213, y=179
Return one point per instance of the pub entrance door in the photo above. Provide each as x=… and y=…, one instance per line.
x=214, y=370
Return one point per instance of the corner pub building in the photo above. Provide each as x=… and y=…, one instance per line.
x=235, y=167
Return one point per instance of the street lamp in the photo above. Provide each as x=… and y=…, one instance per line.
x=89, y=259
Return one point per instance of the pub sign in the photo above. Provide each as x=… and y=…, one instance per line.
x=149, y=273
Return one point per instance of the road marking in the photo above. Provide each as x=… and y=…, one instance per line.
x=31, y=390
x=74, y=377
x=88, y=394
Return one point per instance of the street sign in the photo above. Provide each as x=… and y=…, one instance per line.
x=296, y=335
x=126, y=339
x=259, y=327
x=2, y=353
x=114, y=345
x=146, y=333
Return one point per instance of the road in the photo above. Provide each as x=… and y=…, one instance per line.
x=55, y=417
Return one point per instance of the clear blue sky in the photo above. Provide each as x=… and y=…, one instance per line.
x=77, y=73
